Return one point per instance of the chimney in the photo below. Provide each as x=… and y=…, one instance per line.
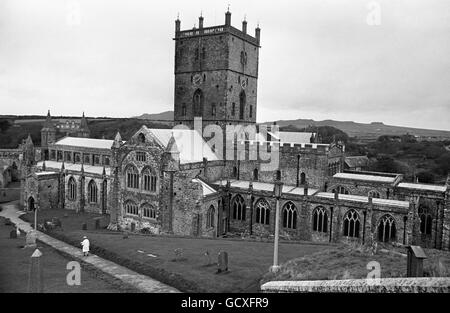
x=244, y=26
x=228, y=18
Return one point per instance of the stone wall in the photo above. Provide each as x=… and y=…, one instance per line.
x=383, y=285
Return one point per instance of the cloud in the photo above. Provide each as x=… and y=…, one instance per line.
x=319, y=58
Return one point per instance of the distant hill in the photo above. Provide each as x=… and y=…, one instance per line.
x=163, y=116
x=370, y=131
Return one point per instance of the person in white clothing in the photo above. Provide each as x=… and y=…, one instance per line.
x=85, y=245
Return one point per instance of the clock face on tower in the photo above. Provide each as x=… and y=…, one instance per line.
x=243, y=83
x=197, y=80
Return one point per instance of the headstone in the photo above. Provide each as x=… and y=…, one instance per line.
x=178, y=254
x=125, y=235
x=132, y=227
x=415, y=261
x=222, y=264
x=30, y=240
x=13, y=234
x=207, y=257
x=84, y=226
x=36, y=277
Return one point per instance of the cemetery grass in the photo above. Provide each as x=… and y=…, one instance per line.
x=15, y=267
x=350, y=262
x=192, y=271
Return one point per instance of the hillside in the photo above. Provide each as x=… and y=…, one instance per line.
x=163, y=116
x=368, y=132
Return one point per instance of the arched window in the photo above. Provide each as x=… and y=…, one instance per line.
x=251, y=111
x=235, y=172
x=255, y=174
x=72, y=189
x=426, y=220
x=149, y=179
x=262, y=212
x=92, y=191
x=242, y=101
x=210, y=217
x=351, y=224
x=132, y=176
x=233, y=109
x=141, y=138
x=183, y=110
x=340, y=190
x=289, y=216
x=374, y=194
x=320, y=220
x=198, y=100
x=148, y=211
x=386, y=229
x=131, y=208
x=239, y=208
x=302, y=178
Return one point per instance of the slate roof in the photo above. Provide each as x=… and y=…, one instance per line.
x=85, y=142
x=426, y=187
x=357, y=161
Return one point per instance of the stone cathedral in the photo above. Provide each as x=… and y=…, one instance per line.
x=180, y=181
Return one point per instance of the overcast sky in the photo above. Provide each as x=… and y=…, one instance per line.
x=320, y=59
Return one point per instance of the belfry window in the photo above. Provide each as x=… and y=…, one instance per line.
x=198, y=103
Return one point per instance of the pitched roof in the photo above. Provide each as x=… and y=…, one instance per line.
x=366, y=177
x=192, y=147
x=85, y=142
x=364, y=199
x=260, y=186
x=93, y=169
x=207, y=189
x=357, y=161
x=438, y=188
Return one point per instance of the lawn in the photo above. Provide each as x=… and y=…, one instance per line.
x=15, y=264
x=192, y=271
x=348, y=261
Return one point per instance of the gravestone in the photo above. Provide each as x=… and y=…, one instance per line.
x=125, y=235
x=36, y=277
x=415, y=261
x=84, y=226
x=13, y=234
x=207, y=257
x=30, y=241
x=132, y=227
x=222, y=263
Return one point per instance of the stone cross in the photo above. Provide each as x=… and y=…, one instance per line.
x=36, y=277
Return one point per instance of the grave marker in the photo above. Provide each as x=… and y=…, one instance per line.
x=30, y=241
x=36, y=277
x=222, y=264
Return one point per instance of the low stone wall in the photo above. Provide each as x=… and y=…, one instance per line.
x=383, y=285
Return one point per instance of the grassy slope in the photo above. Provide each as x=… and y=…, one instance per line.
x=15, y=262
x=248, y=261
x=345, y=262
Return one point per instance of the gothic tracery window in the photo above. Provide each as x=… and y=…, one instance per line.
x=239, y=208
x=262, y=212
x=198, y=100
x=426, y=220
x=72, y=189
x=149, y=179
x=131, y=208
x=92, y=192
x=148, y=211
x=351, y=224
x=386, y=229
x=289, y=216
x=320, y=220
x=132, y=177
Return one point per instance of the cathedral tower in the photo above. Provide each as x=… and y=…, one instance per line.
x=216, y=74
x=48, y=136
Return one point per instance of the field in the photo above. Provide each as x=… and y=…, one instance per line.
x=191, y=271
x=15, y=261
